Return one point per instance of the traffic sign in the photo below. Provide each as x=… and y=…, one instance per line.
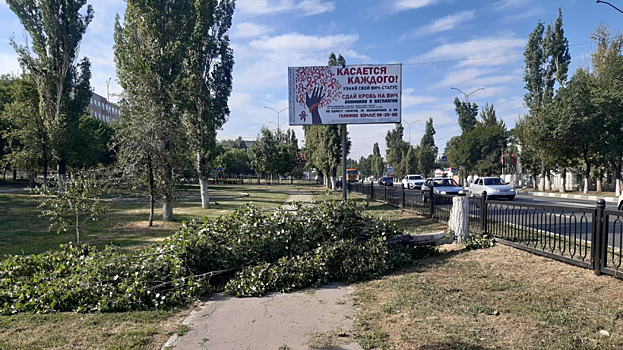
x=453, y=170
x=444, y=159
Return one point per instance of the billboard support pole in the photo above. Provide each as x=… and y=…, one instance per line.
x=344, y=179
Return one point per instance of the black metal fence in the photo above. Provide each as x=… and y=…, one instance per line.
x=588, y=237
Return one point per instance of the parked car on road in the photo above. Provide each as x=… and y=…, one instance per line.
x=441, y=185
x=413, y=182
x=386, y=181
x=494, y=186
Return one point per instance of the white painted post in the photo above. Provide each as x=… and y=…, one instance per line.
x=459, y=218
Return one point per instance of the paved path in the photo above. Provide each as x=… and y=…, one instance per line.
x=294, y=321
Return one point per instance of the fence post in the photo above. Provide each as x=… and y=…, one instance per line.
x=483, y=212
x=385, y=193
x=431, y=200
x=597, y=240
x=403, y=196
x=372, y=190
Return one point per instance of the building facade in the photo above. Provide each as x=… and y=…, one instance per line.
x=102, y=109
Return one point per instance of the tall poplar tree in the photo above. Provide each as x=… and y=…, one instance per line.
x=428, y=150
x=209, y=61
x=150, y=48
x=546, y=59
x=323, y=143
x=56, y=28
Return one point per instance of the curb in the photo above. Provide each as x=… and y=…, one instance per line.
x=570, y=196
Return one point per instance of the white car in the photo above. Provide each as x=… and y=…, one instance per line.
x=494, y=186
x=370, y=179
x=413, y=182
x=443, y=186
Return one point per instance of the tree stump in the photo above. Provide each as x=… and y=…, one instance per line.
x=459, y=218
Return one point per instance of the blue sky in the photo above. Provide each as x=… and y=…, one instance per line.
x=442, y=44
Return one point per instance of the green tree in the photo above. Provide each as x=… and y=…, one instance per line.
x=207, y=72
x=234, y=161
x=27, y=142
x=150, y=50
x=467, y=113
x=73, y=203
x=396, y=150
x=427, y=150
x=607, y=62
x=56, y=29
x=546, y=61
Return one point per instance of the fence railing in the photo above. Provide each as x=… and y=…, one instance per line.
x=587, y=237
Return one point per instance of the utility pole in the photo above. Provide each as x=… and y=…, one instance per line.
x=467, y=95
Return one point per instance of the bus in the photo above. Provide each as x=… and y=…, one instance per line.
x=352, y=175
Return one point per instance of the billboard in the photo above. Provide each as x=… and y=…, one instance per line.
x=356, y=94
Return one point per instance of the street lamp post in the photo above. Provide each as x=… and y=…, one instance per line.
x=467, y=95
x=370, y=148
x=419, y=120
x=278, y=124
x=607, y=3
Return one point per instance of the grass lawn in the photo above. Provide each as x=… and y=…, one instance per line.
x=497, y=298
x=126, y=222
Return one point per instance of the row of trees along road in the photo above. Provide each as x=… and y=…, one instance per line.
x=323, y=143
x=43, y=112
x=400, y=155
x=579, y=126
x=175, y=65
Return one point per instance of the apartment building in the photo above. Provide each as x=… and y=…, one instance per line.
x=103, y=109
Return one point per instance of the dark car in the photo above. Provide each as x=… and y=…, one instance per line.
x=386, y=181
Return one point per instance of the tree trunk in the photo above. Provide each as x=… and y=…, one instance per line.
x=151, y=192
x=333, y=183
x=167, y=209
x=77, y=229
x=459, y=218
x=563, y=181
x=585, y=190
x=203, y=172
x=599, y=185
x=62, y=170
x=548, y=182
x=205, y=196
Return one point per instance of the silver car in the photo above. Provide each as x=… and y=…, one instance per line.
x=494, y=186
x=441, y=185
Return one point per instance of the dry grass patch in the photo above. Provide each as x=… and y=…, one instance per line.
x=498, y=298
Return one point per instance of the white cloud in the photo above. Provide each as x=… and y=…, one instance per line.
x=9, y=63
x=446, y=23
x=408, y=100
x=304, y=43
x=248, y=30
x=532, y=12
x=478, y=52
x=265, y=7
x=466, y=75
x=404, y=5
x=507, y=4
